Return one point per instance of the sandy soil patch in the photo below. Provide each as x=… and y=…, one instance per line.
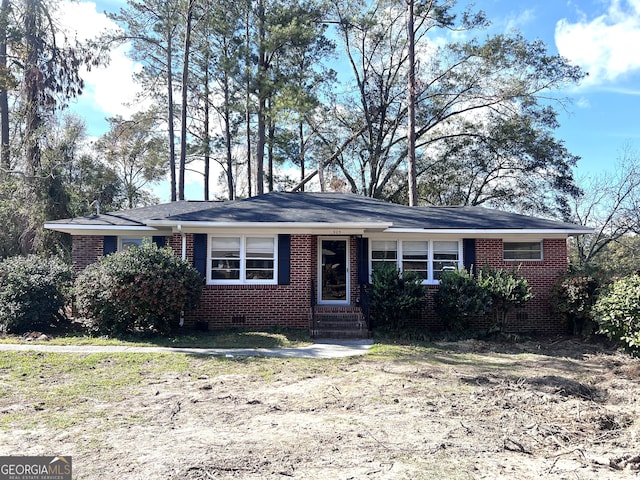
x=479, y=410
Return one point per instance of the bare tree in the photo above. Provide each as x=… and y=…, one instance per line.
x=610, y=205
x=136, y=151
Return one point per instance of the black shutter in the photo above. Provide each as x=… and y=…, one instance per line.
x=109, y=245
x=363, y=260
x=159, y=241
x=469, y=254
x=200, y=253
x=284, y=259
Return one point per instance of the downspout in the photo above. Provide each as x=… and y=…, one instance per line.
x=184, y=258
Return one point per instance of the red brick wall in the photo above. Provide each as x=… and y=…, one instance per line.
x=85, y=250
x=290, y=305
x=537, y=315
x=261, y=305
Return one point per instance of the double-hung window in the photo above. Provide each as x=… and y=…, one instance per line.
x=384, y=251
x=428, y=258
x=242, y=259
x=415, y=258
x=260, y=255
x=445, y=257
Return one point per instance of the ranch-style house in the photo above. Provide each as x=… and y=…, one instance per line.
x=302, y=260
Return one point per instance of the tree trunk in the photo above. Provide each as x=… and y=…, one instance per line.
x=206, y=139
x=411, y=110
x=260, y=147
x=5, y=154
x=185, y=90
x=302, y=147
x=227, y=137
x=170, y=117
x=270, y=143
x=32, y=81
x=247, y=104
x=262, y=100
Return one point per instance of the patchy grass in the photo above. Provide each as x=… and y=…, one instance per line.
x=273, y=338
x=50, y=383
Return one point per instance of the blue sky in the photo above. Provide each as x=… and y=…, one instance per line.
x=601, y=36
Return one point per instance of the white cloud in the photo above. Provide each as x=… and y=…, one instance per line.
x=606, y=46
x=516, y=22
x=109, y=88
x=583, y=102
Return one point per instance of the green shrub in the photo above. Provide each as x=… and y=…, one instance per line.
x=33, y=291
x=573, y=297
x=394, y=295
x=507, y=291
x=617, y=312
x=459, y=299
x=139, y=289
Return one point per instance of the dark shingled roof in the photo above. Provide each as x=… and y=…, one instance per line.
x=349, y=208
x=137, y=217
x=330, y=208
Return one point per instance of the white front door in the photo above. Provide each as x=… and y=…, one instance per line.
x=333, y=268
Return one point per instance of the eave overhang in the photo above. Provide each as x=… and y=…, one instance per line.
x=167, y=227
x=351, y=228
x=494, y=231
x=80, y=229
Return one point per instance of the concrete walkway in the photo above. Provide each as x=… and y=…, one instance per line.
x=320, y=349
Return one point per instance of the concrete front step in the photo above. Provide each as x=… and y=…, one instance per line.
x=340, y=334
x=338, y=316
x=339, y=322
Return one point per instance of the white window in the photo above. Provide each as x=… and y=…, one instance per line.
x=522, y=251
x=242, y=259
x=415, y=258
x=384, y=251
x=428, y=258
x=445, y=257
x=225, y=258
x=260, y=253
x=125, y=243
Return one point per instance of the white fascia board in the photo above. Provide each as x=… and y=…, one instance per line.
x=497, y=232
x=77, y=229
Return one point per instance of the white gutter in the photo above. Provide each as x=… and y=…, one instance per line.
x=68, y=226
x=493, y=231
x=184, y=242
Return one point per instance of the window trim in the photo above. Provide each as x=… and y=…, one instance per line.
x=142, y=239
x=399, y=256
x=243, y=260
x=515, y=259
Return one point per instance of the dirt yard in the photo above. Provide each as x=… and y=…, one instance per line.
x=467, y=410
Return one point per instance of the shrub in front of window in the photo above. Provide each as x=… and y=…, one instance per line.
x=33, y=292
x=507, y=291
x=460, y=299
x=573, y=297
x=394, y=295
x=139, y=289
x=617, y=312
